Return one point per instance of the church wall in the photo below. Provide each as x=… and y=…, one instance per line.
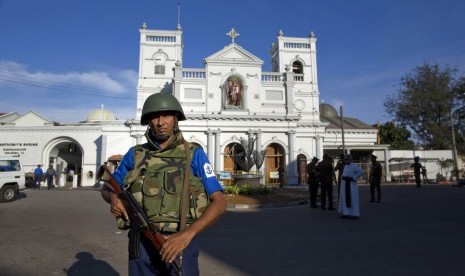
x=36, y=145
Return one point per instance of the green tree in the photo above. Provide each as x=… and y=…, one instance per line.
x=459, y=114
x=424, y=103
x=398, y=136
x=446, y=166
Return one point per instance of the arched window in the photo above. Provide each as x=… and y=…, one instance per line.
x=297, y=67
x=160, y=60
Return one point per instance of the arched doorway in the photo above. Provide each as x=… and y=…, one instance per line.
x=66, y=155
x=274, y=162
x=302, y=169
x=229, y=165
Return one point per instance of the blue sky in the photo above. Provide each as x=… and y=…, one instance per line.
x=64, y=58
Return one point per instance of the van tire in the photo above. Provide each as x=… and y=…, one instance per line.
x=8, y=193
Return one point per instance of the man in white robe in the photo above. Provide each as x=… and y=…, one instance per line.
x=348, y=196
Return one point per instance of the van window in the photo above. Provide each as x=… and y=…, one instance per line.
x=9, y=166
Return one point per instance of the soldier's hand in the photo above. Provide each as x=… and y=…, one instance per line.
x=174, y=245
x=117, y=207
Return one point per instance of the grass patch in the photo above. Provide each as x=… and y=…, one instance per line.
x=246, y=190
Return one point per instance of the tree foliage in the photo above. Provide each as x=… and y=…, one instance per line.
x=398, y=136
x=424, y=103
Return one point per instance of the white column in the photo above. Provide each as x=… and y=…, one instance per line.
x=103, y=156
x=387, y=173
x=292, y=172
x=217, y=149
x=319, y=147
x=258, y=148
x=210, y=146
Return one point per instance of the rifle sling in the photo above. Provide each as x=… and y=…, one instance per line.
x=185, y=192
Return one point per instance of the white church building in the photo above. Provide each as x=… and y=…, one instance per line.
x=228, y=100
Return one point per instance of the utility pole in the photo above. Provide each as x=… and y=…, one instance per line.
x=342, y=130
x=456, y=167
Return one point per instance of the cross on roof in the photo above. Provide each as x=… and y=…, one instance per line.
x=233, y=34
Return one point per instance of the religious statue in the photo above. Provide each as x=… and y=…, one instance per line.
x=234, y=91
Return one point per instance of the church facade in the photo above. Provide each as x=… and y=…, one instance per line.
x=232, y=100
x=232, y=108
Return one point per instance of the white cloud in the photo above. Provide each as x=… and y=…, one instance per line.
x=66, y=96
x=105, y=83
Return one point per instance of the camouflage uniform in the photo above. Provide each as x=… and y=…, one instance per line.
x=157, y=184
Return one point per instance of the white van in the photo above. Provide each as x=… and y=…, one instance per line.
x=12, y=178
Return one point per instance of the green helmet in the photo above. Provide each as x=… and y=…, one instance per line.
x=161, y=102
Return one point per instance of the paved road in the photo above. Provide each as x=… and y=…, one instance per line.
x=412, y=232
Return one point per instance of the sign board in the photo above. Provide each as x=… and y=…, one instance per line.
x=274, y=175
x=225, y=175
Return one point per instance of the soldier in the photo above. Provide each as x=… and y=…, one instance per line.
x=376, y=172
x=49, y=175
x=154, y=173
x=313, y=182
x=417, y=170
x=326, y=174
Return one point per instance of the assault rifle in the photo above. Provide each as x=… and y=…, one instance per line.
x=136, y=214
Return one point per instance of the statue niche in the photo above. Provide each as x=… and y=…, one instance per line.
x=234, y=93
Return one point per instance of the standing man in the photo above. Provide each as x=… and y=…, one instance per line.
x=313, y=181
x=38, y=176
x=348, y=198
x=326, y=173
x=376, y=172
x=49, y=175
x=417, y=170
x=339, y=168
x=154, y=173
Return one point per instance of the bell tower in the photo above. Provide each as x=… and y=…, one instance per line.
x=297, y=53
x=296, y=57
x=160, y=51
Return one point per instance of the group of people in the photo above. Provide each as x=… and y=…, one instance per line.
x=322, y=175
x=158, y=172
x=49, y=174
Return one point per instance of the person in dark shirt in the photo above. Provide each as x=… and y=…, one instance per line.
x=417, y=170
x=313, y=182
x=325, y=172
x=376, y=172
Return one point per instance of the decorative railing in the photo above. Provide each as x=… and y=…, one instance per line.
x=298, y=77
x=272, y=77
x=297, y=45
x=193, y=73
x=158, y=38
